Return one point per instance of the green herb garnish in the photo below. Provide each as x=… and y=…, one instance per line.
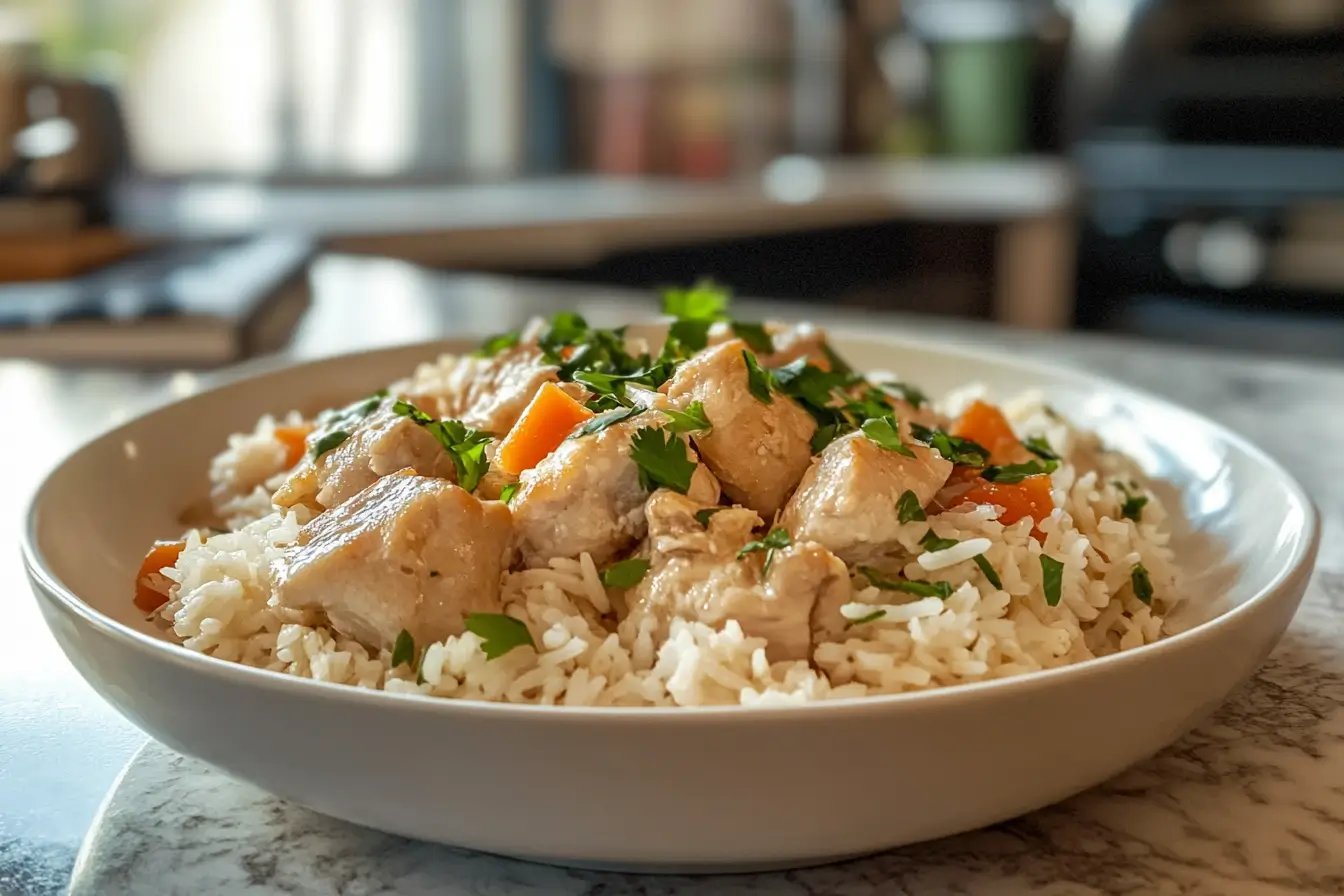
x=838, y=364
x=403, y=649
x=908, y=508
x=626, y=574
x=885, y=433
x=498, y=633
x=825, y=435
x=331, y=440
x=864, y=620
x=685, y=338
x=905, y=392
x=812, y=387
x=962, y=452
x=759, y=380
x=921, y=589
x=755, y=336
x=602, y=421
x=614, y=383
x=988, y=570
x=776, y=540
x=1017, y=472
x=705, y=300
x=1052, y=579
x=1132, y=507
x=508, y=491
x=702, y=516
x=692, y=419
x=931, y=542
x=1141, y=583
x=498, y=343
x=465, y=446
x=1038, y=446
x=662, y=460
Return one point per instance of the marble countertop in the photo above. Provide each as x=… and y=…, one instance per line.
x=1250, y=803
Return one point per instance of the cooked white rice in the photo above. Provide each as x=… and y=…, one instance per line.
x=221, y=605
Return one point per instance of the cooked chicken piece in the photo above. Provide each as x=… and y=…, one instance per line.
x=847, y=500
x=488, y=394
x=697, y=575
x=586, y=496
x=379, y=445
x=791, y=343
x=758, y=451
x=409, y=552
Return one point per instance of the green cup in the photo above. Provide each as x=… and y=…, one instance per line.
x=981, y=95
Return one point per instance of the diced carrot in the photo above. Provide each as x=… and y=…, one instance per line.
x=1030, y=497
x=162, y=555
x=985, y=424
x=546, y=422
x=295, y=440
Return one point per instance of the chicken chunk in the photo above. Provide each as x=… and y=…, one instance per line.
x=696, y=574
x=791, y=343
x=587, y=496
x=378, y=445
x=488, y=394
x=847, y=501
x=758, y=451
x=408, y=552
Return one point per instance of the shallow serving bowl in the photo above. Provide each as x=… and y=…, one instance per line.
x=663, y=789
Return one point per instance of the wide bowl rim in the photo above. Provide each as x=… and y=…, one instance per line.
x=1298, y=566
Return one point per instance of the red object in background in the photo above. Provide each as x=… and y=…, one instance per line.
x=623, y=125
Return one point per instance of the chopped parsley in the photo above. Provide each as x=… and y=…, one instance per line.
x=403, y=649
x=498, y=633
x=466, y=447
x=920, y=589
x=825, y=435
x=990, y=575
x=1007, y=475
x=705, y=300
x=692, y=419
x=885, y=432
x=626, y=574
x=777, y=540
x=810, y=386
x=602, y=421
x=1132, y=507
x=1038, y=446
x=614, y=383
x=755, y=336
x=838, y=364
x=685, y=338
x=1052, y=579
x=905, y=392
x=702, y=516
x=662, y=460
x=331, y=440
x=759, y=380
x=507, y=492
x=498, y=343
x=931, y=542
x=864, y=620
x=962, y=452
x=908, y=508
x=1141, y=583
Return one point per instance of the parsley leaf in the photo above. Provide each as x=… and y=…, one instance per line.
x=759, y=380
x=990, y=575
x=755, y=336
x=465, y=447
x=1141, y=583
x=403, y=649
x=825, y=435
x=507, y=492
x=626, y=574
x=960, y=451
x=885, y=433
x=498, y=343
x=702, y=516
x=685, y=338
x=778, y=539
x=661, y=457
x=864, y=620
x=905, y=392
x=602, y=421
x=1052, y=579
x=1038, y=446
x=838, y=364
x=331, y=440
x=1132, y=507
x=706, y=300
x=908, y=508
x=921, y=589
x=1017, y=472
x=811, y=386
x=692, y=419
x=614, y=383
x=498, y=633
x=931, y=542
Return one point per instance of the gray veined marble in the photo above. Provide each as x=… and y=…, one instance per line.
x=1250, y=803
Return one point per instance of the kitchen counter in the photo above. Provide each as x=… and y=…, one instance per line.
x=1252, y=802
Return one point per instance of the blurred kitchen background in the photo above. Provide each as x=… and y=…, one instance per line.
x=175, y=174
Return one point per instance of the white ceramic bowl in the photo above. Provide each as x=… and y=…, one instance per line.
x=728, y=788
